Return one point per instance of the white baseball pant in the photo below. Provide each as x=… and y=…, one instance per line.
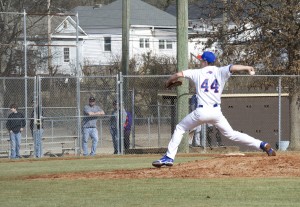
x=211, y=115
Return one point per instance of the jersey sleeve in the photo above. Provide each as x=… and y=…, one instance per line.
x=225, y=72
x=188, y=73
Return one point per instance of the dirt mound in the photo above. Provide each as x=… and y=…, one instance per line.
x=220, y=166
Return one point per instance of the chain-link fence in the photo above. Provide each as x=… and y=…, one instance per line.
x=256, y=105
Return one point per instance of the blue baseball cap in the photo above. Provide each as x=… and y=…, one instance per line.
x=208, y=57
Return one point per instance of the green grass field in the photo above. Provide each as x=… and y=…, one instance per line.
x=231, y=192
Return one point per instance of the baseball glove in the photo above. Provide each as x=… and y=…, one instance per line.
x=173, y=84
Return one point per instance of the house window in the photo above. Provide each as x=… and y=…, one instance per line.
x=141, y=42
x=165, y=44
x=66, y=54
x=144, y=42
x=161, y=44
x=107, y=43
x=169, y=44
x=147, y=43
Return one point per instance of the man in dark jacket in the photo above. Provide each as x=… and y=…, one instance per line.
x=15, y=125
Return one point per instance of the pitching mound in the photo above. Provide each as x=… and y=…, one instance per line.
x=219, y=166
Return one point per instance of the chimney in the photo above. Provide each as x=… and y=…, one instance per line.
x=97, y=6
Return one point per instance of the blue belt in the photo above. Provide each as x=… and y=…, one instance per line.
x=201, y=106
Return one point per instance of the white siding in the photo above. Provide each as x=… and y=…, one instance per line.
x=58, y=56
x=92, y=51
x=154, y=35
x=94, y=54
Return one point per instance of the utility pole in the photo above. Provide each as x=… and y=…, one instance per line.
x=49, y=37
x=225, y=25
x=125, y=45
x=123, y=96
x=182, y=64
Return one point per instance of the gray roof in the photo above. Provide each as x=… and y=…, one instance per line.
x=110, y=16
x=37, y=26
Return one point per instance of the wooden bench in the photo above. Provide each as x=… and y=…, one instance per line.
x=54, y=151
x=30, y=150
x=65, y=150
x=50, y=151
x=50, y=154
x=5, y=152
x=7, y=146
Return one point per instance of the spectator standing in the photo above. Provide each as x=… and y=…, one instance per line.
x=37, y=130
x=127, y=130
x=91, y=113
x=114, y=124
x=15, y=125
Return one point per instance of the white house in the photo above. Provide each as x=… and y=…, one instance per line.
x=58, y=51
x=100, y=35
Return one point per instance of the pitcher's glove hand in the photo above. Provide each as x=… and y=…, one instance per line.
x=173, y=84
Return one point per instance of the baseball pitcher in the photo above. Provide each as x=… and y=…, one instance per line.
x=209, y=82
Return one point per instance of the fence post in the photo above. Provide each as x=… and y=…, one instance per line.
x=133, y=118
x=25, y=73
x=120, y=115
x=78, y=77
x=101, y=132
x=279, y=113
x=204, y=135
x=158, y=123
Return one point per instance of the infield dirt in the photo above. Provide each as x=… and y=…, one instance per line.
x=216, y=166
